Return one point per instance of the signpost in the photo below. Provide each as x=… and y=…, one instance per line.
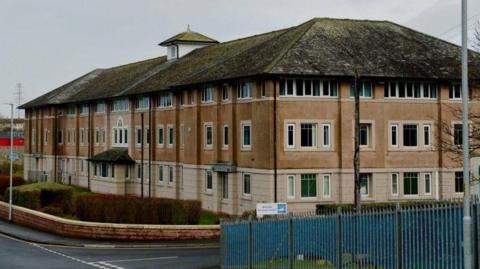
x=271, y=209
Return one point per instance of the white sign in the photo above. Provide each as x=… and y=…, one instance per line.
x=271, y=209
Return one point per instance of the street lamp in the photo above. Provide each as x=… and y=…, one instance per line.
x=11, y=164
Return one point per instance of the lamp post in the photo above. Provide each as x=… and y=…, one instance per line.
x=467, y=219
x=11, y=163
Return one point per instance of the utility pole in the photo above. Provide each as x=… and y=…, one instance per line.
x=356, y=155
x=18, y=97
x=467, y=219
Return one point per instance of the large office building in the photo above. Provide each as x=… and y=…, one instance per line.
x=264, y=118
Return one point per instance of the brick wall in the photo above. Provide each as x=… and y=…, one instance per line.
x=108, y=231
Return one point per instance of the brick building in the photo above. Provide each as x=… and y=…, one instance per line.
x=261, y=119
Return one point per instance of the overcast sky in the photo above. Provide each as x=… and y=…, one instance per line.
x=44, y=44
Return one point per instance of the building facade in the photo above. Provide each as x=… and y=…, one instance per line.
x=261, y=119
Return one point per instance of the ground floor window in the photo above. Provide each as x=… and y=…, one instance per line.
x=160, y=173
x=326, y=186
x=224, y=182
x=246, y=184
x=103, y=170
x=309, y=185
x=428, y=183
x=394, y=184
x=208, y=181
x=365, y=183
x=170, y=174
x=410, y=183
x=291, y=186
x=459, y=182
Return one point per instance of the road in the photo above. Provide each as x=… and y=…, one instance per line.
x=21, y=254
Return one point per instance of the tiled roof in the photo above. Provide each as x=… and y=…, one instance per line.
x=188, y=37
x=113, y=155
x=319, y=47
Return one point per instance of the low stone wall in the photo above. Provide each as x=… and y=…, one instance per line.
x=108, y=231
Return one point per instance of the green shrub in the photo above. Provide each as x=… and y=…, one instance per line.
x=121, y=209
x=42, y=195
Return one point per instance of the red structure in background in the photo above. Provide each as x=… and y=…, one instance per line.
x=17, y=141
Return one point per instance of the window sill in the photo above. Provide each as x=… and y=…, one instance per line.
x=246, y=149
x=208, y=193
x=247, y=197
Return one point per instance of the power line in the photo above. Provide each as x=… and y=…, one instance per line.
x=471, y=26
x=457, y=25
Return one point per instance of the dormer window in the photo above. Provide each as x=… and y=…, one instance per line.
x=184, y=43
x=172, y=52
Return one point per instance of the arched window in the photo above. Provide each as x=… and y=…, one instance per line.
x=120, y=134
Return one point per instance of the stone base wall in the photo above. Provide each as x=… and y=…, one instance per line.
x=108, y=231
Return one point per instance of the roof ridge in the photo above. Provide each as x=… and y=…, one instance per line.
x=293, y=42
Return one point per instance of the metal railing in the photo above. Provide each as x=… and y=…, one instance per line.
x=37, y=176
x=413, y=236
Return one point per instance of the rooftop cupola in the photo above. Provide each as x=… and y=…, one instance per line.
x=185, y=42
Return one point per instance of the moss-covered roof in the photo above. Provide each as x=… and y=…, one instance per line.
x=188, y=37
x=319, y=47
x=113, y=155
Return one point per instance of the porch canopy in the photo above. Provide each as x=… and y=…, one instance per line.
x=113, y=155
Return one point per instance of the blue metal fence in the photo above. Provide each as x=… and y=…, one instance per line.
x=417, y=236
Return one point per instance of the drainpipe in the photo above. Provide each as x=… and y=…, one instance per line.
x=141, y=153
x=55, y=144
x=150, y=132
x=274, y=141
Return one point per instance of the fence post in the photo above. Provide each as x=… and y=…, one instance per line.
x=250, y=243
x=339, y=238
x=398, y=237
x=291, y=258
x=474, y=210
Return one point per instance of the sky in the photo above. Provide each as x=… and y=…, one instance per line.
x=45, y=44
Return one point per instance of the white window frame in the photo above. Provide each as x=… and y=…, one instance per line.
x=207, y=94
x=82, y=136
x=160, y=174
x=403, y=134
x=369, y=182
x=429, y=175
x=429, y=128
x=225, y=92
x=327, y=192
x=225, y=137
x=392, y=177
x=243, y=125
x=171, y=175
x=102, y=105
x=369, y=134
x=291, y=190
x=170, y=135
x=208, y=174
x=142, y=103
x=160, y=134
x=288, y=145
x=454, y=89
x=84, y=109
x=120, y=105
x=244, y=175
x=245, y=90
x=394, y=126
x=329, y=135
x=206, y=127
x=314, y=135
x=138, y=136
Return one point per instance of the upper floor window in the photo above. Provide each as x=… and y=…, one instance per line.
x=417, y=90
x=308, y=136
x=84, y=109
x=244, y=90
x=120, y=134
x=455, y=91
x=365, y=134
x=308, y=87
x=207, y=94
x=457, y=134
x=224, y=92
x=290, y=135
x=410, y=135
x=181, y=98
x=120, y=105
x=246, y=135
x=172, y=52
x=100, y=107
x=71, y=110
x=208, y=135
x=365, y=89
x=142, y=102
x=164, y=100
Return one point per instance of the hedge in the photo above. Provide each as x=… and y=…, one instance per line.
x=129, y=209
x=38, y=196
x=5, y=182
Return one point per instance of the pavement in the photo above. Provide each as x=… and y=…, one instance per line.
x=35, y=236
x=21, y=247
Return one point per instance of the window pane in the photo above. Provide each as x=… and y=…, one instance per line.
x=309, y=185
x=457, y=134
x=291, y=186
x=299, y=87
x=364, y=134
x=410, y=135
x=308, y=87
x=246, y=135
x=459, y=182
x=316, y=88
x=364, y=184
x=291, y=135
x=394, y=183
x=282, y=87
x=410, y=183
x=394, y=133
x=307, y=134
